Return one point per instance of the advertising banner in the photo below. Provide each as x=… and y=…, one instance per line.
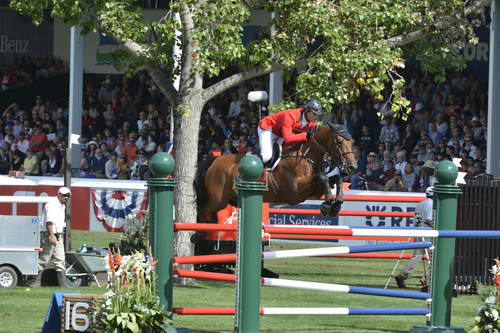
x=20, y=37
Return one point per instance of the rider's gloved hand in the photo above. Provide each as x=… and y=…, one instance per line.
x=310, y=132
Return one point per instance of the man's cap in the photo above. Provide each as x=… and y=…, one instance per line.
x=372, y=154
x=63, y=190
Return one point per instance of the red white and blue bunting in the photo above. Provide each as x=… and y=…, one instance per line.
x=114, y=208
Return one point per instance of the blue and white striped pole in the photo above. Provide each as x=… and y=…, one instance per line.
x=340, y=288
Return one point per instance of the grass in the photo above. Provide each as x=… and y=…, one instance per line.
x=22, y=311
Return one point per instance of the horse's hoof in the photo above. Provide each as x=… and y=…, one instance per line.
x=325, y=208
x=335, y=209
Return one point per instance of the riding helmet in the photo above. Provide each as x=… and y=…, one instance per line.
x=315, y=106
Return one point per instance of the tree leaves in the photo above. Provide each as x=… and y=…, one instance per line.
x=342, y=40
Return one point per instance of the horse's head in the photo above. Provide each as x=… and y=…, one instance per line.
x=340, y=148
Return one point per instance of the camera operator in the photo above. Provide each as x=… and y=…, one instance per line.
x=423, y=218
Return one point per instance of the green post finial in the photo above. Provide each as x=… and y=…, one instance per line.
x=250, y=167
x=161, y=164
x=446, y=173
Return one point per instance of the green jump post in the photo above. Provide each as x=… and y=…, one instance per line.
x=445, y=218
x=249, y=249
x=161, y=217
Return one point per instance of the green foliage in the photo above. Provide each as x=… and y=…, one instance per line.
x=488, y=318
x=135, y=236
x=347, y=46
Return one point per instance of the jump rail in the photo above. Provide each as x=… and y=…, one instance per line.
x=249, y=245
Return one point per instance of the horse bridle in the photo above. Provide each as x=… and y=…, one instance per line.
x=343, y=133
x=336, y=133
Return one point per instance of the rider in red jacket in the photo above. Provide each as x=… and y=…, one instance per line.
x=293, y=126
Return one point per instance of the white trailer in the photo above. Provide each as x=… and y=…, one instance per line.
x=19, y=242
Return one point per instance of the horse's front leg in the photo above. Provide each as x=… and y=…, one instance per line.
x=327, y=204
x=339, y=197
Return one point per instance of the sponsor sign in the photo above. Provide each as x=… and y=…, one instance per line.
x=30, y=40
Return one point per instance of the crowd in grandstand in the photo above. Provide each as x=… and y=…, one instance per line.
x=126, y=120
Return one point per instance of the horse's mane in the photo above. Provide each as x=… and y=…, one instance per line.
x=199, y=182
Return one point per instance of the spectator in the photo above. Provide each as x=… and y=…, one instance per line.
x=107, y=92
x=409, y=176
x=374, y=172
x=17, y=160
x=142, y=120
x=112, y=166
x=139, y=167
x=367, y=142
x=433, y=133
x=39, y=143
x=30, y=164
x=389, y=173
x=469, y=147
x=130, y=149
x=97, y=164
x=389, y=134
x=234, y=107
x=51, y=164
x=109, y=117
x=387, y=158
x=396, y=183
x=409, y=140
x=401, y=160
x=360, y=172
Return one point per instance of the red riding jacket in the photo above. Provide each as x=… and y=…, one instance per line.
x=287, y=124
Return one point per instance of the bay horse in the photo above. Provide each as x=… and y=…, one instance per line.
x=299, y=175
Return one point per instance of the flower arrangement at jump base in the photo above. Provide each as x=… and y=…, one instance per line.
x=131, y=305
x=488, y=318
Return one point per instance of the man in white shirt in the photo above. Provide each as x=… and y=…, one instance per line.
x=234, y=107
x=423, y=218
x=51, y=237
x=22, y=143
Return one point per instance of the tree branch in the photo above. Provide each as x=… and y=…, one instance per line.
x=189, y=77
x=238, y=78
x=159, y=76
x=444, y=22
x=164, y=83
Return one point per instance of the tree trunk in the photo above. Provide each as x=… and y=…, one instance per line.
x=187, y=120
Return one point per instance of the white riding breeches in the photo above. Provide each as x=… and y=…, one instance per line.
x=266, y=142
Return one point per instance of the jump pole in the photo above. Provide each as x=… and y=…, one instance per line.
x=445, y=218
x=249, y=249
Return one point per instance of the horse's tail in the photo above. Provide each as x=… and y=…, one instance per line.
x=199, y=182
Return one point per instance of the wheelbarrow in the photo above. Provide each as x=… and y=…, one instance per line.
x=81, y=268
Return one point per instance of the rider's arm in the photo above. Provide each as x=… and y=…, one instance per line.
x=290, y=137
x=287, y=130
